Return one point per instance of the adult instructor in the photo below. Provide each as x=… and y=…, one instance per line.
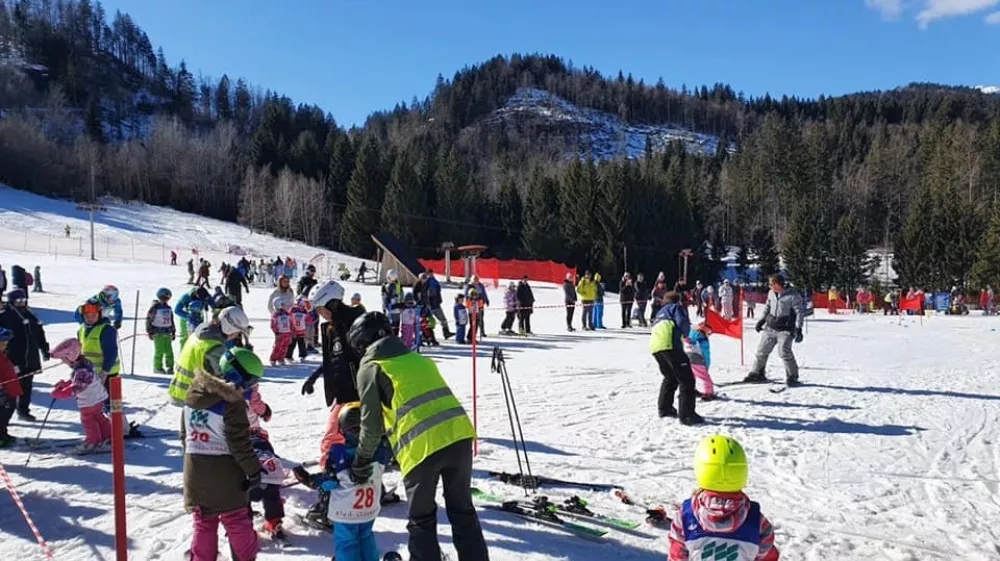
x=781, y=323
x=404, y=398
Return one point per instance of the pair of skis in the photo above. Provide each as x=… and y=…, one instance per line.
x=535, y=481
x=775, y=386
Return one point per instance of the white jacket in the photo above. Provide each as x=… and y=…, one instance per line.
x=283, y=295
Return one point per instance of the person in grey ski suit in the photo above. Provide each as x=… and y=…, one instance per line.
x=781, y=322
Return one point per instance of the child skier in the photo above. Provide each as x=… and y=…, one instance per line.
x=196, y=314
x=161, y=331
x=273, y=472
x=10, y=389
x=99, y=341
x=88, y=389
x=719, y=516
x=220, y=466
x=475, y=305
x=700, y=354
x=409, y=321
x=356, y=301
x=392, y=299
x=281, y=325
x=353, y=507
x=510, y=307
x=111, y=306
x=461, y=318
x=199, y=294
x=427, y=325
x=300, y=323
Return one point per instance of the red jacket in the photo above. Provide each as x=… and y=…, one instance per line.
x=8, y=377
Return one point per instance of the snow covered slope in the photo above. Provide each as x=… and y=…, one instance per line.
x=888, y=453
x=603, y=134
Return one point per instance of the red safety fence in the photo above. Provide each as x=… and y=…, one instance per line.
x=496, y=269
x=821, y=300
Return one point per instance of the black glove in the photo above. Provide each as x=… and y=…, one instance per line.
x=254, y=482
x=798, y=335
x=45, y=353
x=760, y=325
x=361, y=470
x=118, y=324
x=307, y=388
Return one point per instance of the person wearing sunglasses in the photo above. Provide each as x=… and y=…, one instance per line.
x=27, y=346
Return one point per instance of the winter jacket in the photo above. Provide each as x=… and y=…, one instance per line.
x=19, y=277
x=641, y=295
x=109, y=344
x=626, y=291
x=461, y=314
x=587, y=289
x=525, y=297
x=726, y=293
x=9, y=384
x=677, y=315
x=569, y=292
x=306, y=284
x=160, y=319
x=86, y=385
x=235, y=280
x=510, y=300
x=717, y=520
x=3, y=281
x=340, y=362
x=785, y=311
x=434, y=293
x=285, y=295
x=657, y=294
x=281, y=323
x=301, y=320
x=181, y=308
x=420, y=293
x=112, y=311
x=700, y=350
x=29, y=339
x=392, y=296
x=216, y=483
x=600, y=288
x=480, y=290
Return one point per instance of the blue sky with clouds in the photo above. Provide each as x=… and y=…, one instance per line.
x=352, y=57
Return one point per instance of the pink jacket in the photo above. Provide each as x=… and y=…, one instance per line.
x=85, y=384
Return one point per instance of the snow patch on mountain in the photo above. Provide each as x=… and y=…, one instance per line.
x=603, y=135
x=989, y=89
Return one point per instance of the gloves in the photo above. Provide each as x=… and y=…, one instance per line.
x=45, y=353
x=267, y=413
x=254, y=482
x=760, y=325
x=62, y=390
x=118, y=324
x=361, y=470
x=307, y=387
x=798, y=335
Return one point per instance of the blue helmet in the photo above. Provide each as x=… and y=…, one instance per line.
x=164, y=294
x=6, y=334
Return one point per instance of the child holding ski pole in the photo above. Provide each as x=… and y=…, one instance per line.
x=10, y=388
x=719, y=515
x=161, y=331
x=88, y=389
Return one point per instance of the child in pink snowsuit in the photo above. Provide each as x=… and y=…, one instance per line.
x=301, y=319
x=281, y=325
x=409, y=322
x=700, y=354
x=88, y=389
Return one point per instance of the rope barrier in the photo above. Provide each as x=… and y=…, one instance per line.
x=24, y=512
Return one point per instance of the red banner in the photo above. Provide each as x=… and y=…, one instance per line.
x=496, y=269
x=914, y=304
x=728, y=327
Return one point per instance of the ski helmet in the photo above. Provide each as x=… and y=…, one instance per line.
x=280, y=303
x=391, y=275
x=408, y=297
x=241, y=367
x=68, y=350
x=164, y=294
x=92, y=306
x=368, y=328
x=720, y=464
x=222, y=302
x=325, y=293
x=201, y=293
x=6, y=334
x=234, y=320
x=17, y=297
x=311, y=269
x=110, y=293
x=349, y=420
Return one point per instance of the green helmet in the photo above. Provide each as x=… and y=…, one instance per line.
x=241, y=366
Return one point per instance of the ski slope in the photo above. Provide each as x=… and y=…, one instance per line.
x=889, y=452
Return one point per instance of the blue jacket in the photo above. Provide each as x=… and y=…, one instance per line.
x=181, y=309
x=480, y=289
x=109, y=343
x=434, y=293
x=112, y=312
x=700, y=340
x=341, y=457
x=678, y=314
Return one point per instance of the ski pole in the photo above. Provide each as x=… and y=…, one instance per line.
x=40, y=429
x=517, y=417
x=495, y=367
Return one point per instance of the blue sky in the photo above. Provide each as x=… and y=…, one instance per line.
x=352, y=57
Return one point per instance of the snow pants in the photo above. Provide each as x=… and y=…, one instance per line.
x=282, y=344
x=459, y=333
x=641, y=304
x=239, y=529
x=163, y=352
x=524, y=320
x=598, y=319
x=96, y=426
x=24, y=402
x=184, y=332
x=355, y=542
x=700, y=372
x=452, y=466
x=296, y=341
x=676, y=370
x=626, y=314
x=588, y=314
x=7, y=406
x=783, y=340
x=727, y=308
x=442, y=319
x=508, y=320
x=570, y=309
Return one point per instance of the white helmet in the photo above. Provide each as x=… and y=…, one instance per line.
x=391, y=275
x=330, y=290
x=234, y=320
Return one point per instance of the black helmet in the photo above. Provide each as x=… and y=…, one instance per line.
x=201, y=293
x=367, y=329
x=349, y=421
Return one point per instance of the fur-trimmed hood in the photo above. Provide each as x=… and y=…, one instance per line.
x=207, y=390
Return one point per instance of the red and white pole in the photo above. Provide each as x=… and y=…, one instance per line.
x=118, y=463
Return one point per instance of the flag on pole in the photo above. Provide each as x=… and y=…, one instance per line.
x=728, y=327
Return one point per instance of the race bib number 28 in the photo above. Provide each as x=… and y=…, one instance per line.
x=355, y=504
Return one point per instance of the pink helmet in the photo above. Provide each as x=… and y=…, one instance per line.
x=68, y=350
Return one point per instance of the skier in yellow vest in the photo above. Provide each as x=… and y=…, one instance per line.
x=404, y=397
x=204, y=349
x=99, y=343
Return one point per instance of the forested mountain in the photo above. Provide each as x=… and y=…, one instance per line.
x=822, y=180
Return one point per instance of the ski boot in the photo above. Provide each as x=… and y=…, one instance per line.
x=389, y=497
x=159, y=370
x=275, y=530
x=133, y=430
x=26, y=416
x=304, y=477
x=7, y=441
x=657, y=517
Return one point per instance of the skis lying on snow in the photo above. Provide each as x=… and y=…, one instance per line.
x=579, y=508
x=542, y=516
x=535, y=481
x=58, y=443
x=655, y=515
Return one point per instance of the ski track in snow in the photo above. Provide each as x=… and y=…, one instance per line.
x=892, y=439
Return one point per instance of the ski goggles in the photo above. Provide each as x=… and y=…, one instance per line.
x=90, y=309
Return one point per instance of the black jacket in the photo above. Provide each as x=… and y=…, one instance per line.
x=525, y=297
x=626, y=291
x=234, y=280
x=641, y=292
x=306, y=283
x=18, y=277
x=340, y=362
x=29, y=339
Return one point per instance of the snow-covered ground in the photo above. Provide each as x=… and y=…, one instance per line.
x=603, y=134
x=888, y=452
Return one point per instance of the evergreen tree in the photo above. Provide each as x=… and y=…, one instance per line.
x=541, y=217
x=223, y=103
x=457, y=201
x=765, y=254
x=511, y=217
x=577, y=202
x=986, y=268
x=405, y=209
x=614, y=192
x=914, y=247
x=807, y=249
x=850, y=257
x=365, y=194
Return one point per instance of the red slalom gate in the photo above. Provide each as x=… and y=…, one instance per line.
x=118, y=462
